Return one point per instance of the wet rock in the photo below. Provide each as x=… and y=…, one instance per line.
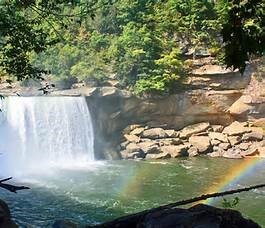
x=193, y=129
x=202, y=143
x=132, y=138
x=154, y=133
x=214, y=154
x=236, y=128
x=232, y=153
x=219, y=136
x=176, y=151
x=5, y=216
x=163, y=155
x=129, y=154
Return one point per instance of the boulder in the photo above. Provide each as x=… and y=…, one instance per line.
x=217, y=128
x=169, y=141
x=123, y=145
x=244, y=146
x=193, y=129
x=214, y=154
x=137, y=131
x=202, y=143
x=234, y=140
x=232, y=153
x=171, y=133
x=176, y=151
x=163, y=155
x=130, y=128
x=5, y=216
x=154, y=133
x=253, y=136
x=215, y=142
x=236, y=128
x=224, y=146
x=198, y=216
x=149, y=147
x=193, y=151
x=127, y=154
x=219, y=136
x=132, y=138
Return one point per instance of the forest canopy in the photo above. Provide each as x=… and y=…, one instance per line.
x=142, y=43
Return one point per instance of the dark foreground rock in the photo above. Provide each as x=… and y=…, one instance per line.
x=199, y=216
x=5, y=216
x=196, y=216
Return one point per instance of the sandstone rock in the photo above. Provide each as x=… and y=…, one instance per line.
x=193, y=129
x=217, y=128
x=108, y=91
x=130, y=128
x=163, y=155
x=232, y=153
x=255, y=149
x=259, y=122
x=224, y=146
x=132, y=147
x=215, y=142
x=243, y=146
x=202, y=143
x=149, y=147
x=236, y=128
x=123, y=145
x=214, y=154
x=175, y=151
x=234, y=140
x=169, y=141
x=137, y=131
x=259, y=130
x=171, y=133
x=240, y=107
x=253, y=136
x=219, y=136
x=154, y=133
x=193, y=151
x=132, y=138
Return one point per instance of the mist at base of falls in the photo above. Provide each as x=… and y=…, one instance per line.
x=37, y=133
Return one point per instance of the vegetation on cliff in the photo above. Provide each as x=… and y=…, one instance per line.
x=141, y=43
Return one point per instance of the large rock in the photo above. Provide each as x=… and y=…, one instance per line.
x=202, y=143
x=198, y=216
x=149, y=147
x=253, y=136
x=137, y=131
x=176, y=151
x=234, y=140
x=232, y=153
x=193, y=129
x=163, y=155
x=132, y=138
x=5, y=216
x=236, y=128
x=219, y=136
x=154, y=133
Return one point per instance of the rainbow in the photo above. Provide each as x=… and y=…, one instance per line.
x=233, y=175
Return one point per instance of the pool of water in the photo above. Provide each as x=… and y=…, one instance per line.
x=102, y=191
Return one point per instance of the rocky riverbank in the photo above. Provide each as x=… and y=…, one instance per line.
x=237, y=140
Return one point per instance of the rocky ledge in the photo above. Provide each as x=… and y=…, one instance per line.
x=238, y=140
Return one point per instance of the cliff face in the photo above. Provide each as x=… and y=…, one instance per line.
x=214, y=95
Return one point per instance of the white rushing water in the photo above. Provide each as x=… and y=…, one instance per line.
x=37, y=133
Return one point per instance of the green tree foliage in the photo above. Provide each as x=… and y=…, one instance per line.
x=140, y=42
x=243, y=32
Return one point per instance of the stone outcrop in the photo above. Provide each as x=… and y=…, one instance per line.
x=238, y=140
x=5, y=216
x=196, y=216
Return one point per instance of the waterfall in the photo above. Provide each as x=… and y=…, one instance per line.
x=39, y=132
